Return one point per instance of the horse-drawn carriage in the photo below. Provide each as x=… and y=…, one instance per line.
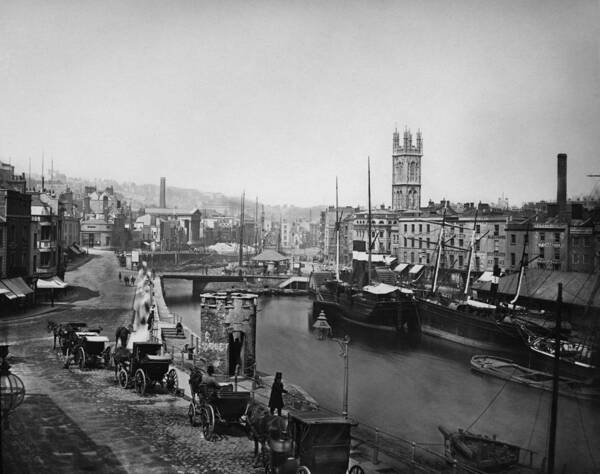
x=316, y=443
x=144, y=367
x=82, y=345
x=224, y=406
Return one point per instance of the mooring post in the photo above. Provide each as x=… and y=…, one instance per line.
x=413, y=461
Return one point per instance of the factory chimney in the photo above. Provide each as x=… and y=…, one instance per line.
x=561, y=189
x=163, y=196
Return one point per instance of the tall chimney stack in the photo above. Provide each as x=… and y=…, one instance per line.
x=163, y=195
x=561, y=190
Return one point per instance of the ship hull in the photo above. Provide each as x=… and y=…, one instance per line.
x=482, y=332
x=392, y=317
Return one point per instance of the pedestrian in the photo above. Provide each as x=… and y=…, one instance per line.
x=119, y=277
x=132, y=281
x=126, y=280
x=276, y=398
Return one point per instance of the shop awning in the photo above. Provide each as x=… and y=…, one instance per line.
x=485, y=276
x=75, y=250
x=400, y=267
x=6, y=291
x=50, y=283
x=416, y=269
x=17, y=286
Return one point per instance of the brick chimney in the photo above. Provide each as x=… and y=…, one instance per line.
x=163, y=196
x=561, y=189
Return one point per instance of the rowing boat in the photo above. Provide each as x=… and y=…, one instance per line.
x=506, y=369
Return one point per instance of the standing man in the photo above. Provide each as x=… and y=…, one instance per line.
x=276, y=398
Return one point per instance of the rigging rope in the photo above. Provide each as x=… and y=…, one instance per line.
x=492, y=400
x=537, y=414
x=587, y=441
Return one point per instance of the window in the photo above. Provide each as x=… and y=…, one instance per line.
x=513, y=239
x=587, y=241
x=420, y=243
x=460, y=242
x=412, y=242
x=556, y=254
x=428, y=242
x=461, y=229
x=496, y=230
x=542, y=237
x=575, y=258
x=557, y=237
x=477, y=262
x=405, y=227
x=513, y=259
x=541, y=266
x=460, y=261
x=428, y=259
x=542, y=252
x=496, y=262
x=412, y=257
x=428, y=228
x=452, y=241
x=477, y=246
x=556, y=266
x=412, y=227
x=420, y=227
x=575, y=241
x=405, y=243
x=451, y=260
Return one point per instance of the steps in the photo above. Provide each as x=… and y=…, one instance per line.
x=171, y=333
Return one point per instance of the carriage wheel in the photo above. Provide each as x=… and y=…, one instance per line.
x=123, y=377
x=140, y=382
x=172, y=382
x=356, y=469
x=192, y=414
x=303, y=470
x=207, y=418
x=81, y=359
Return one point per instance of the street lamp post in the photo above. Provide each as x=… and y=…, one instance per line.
x=323, y=330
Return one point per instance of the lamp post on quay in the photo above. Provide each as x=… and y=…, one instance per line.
x=323, y=329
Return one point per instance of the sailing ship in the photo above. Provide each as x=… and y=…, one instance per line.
x=464, y=320
x=577, y=358
x=376, y=305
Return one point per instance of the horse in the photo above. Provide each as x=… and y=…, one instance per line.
x=262, y=426
x=122, y=334
x=56, y=330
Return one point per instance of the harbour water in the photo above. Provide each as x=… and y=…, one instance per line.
x=409, y=389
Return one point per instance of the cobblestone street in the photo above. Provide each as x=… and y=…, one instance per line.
x=75, y=421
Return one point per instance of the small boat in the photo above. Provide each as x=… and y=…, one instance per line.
x=479, y=451
x=508, y=370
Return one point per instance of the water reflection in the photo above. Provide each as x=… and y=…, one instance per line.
x=408, y=390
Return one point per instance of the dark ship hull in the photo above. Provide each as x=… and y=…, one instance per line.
x=482, y=331
x=397, y=315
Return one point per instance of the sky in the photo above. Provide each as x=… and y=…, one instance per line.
x=277, y=98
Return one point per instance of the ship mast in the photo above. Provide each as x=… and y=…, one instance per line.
x=469, y=265
x=337, y=234
x=439, y=255
x=555, y=379
x=369, y=214
x=242, y=228
x=523, y=265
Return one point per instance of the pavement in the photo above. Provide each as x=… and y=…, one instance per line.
x=76, y=420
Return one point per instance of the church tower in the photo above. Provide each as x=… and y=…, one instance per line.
x=406, y=172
